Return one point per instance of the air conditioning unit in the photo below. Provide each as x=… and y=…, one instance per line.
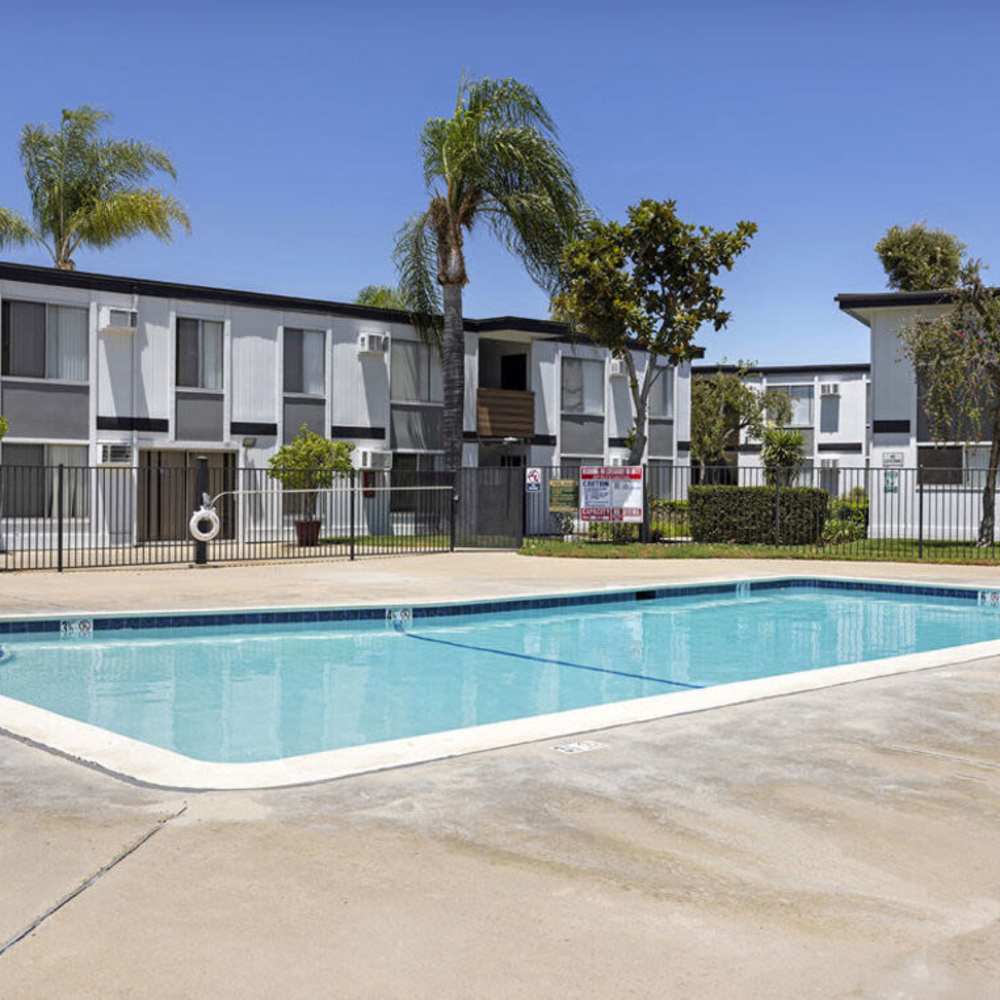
x=829, y=388
x=373, y=343
x=116, y=454
x=617, y=368
x=122, y=321
x=617, y=460
x=370, y=459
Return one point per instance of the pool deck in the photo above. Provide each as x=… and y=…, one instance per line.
x=408, y=579
x=833, y=843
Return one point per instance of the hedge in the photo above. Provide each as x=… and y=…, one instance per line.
x=746, y=514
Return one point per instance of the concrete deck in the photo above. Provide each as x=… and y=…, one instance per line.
x=449, y=576
x=837, y=843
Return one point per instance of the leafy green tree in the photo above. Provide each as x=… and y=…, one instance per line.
x=724, y=408
x=4, y=427
x=87, y=191
x=918, y=259
x=649, y=284
x=781, y=452
x=956, y=358
x=496, y=161
x=381, y=297
x=309, y=462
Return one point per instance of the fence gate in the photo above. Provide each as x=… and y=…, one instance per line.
x=490, y=511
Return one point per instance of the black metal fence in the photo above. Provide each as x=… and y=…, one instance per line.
x=855, y=513
x=62, y=517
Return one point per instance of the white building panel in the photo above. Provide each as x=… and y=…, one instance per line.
x=255, y=346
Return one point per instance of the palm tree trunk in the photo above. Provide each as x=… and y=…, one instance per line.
x=990, y=489
x=453, y=376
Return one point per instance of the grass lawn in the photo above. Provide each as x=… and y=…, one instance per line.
x=869, y=550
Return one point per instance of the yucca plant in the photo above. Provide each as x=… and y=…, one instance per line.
x=496, y=160
x=87, y=190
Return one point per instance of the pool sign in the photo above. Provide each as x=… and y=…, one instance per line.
x=532, y=480
x=611, y=493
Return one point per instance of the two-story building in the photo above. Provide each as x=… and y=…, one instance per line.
x=829, y=407
x=934, y=488
x=102, y=370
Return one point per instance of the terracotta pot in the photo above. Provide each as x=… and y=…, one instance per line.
x=307, y=533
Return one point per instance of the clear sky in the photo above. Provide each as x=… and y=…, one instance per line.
x=294, y=129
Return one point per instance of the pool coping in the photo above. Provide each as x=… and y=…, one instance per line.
x=144, y=763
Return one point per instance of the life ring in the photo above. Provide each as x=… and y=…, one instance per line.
x=198, y=518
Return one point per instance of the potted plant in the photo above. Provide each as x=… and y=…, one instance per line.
x=309, y=462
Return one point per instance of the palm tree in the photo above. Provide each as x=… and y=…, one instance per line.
x=496, y=159
x=381, y=297
x=86, y=190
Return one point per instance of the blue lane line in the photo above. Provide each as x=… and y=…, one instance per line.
x=560, y=663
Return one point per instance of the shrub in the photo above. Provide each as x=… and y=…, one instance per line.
x=669, y=518
x=746, y=514
x=309, y=462
x=781, y=452
x=848, y=518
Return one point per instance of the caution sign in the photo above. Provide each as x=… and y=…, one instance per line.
x=611, y=493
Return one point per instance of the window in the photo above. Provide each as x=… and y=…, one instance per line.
x=582, y=386
x=583, y=408
x=661, y=415
x=801, y=399
x=416, y=373
x=30, y=480
x=44, y=341
x=199, y=354
x=661, y=402
x=305, y=361
x=408, y=471
x=416, y=393
x=962, y=466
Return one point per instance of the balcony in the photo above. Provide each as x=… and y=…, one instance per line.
x=503, y=413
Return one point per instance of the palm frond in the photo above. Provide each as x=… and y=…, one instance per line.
x=416, y=259
x=381, y=297
x=15, y=230
x=531, y=199
x=508, y=103
x=128, y=213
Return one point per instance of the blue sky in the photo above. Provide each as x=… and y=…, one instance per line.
x=294, y=129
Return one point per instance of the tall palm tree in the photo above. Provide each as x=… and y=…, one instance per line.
x=496, y=159
x=87, y=191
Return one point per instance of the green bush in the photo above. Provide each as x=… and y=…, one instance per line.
x=669, y=518
x=746, y=514
x=848, y=518
x=610, y=531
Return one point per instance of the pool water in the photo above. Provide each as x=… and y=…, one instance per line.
x=242, y=693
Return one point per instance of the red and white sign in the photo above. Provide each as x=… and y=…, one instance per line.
x=611, y=493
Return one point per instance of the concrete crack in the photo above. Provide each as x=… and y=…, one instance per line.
x=88, y=882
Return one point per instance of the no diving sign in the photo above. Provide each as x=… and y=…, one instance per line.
x=532, y=480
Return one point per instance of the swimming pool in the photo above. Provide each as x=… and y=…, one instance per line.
x=247, y=689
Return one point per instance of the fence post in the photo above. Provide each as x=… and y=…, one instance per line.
x=644, y=530
x=452, y=511
x=920, y=515
x=200, y=489
x=777, y=507
x=59, y=511
x=354, y=501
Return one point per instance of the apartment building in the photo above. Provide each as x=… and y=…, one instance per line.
x=829, y=407
x=100, y=370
